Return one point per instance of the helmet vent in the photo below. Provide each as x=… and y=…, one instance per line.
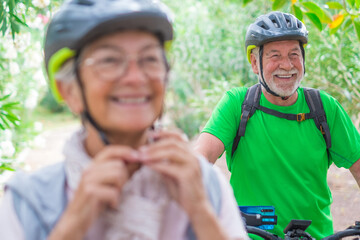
x=275, y=23
x=299, y=24
x=263, y=25
x=85, y=2
x=288, y=21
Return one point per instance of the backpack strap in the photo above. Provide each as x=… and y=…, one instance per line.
x=313, y=100
x=248, y=108
x=312, y=97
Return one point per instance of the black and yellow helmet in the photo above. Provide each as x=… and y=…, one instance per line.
x=274, y=26
x=78, y=22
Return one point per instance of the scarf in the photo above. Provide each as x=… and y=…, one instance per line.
x=143, y=199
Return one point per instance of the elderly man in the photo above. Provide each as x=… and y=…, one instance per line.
x=293, y=134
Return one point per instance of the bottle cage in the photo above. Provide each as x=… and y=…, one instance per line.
x=252, y=103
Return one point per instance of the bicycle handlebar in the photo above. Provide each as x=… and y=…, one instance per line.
x=352, y=231
x=294, y=231
x=262, y=233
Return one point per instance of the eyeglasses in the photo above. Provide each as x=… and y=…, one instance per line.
x=111, y=63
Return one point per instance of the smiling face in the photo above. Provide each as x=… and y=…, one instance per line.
x=123, y=77
x=283, y=67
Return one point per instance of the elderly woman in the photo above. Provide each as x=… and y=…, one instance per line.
x=121, y=177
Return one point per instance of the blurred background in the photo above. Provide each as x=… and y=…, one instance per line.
x=208, y=57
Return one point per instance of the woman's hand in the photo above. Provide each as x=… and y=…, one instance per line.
x=99, y=188
x=172, y=156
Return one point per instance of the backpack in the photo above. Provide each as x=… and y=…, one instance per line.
x=252, y=103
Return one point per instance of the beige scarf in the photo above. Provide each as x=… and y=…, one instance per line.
x=144, y=197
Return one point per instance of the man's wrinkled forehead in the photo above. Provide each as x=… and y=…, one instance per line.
x=278, y=46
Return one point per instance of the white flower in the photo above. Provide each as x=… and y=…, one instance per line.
x=7, y=134
x=41, y=3
x=38, y=126
x=14, y=68
x=10, y=88
x=39, y=78
x=7, y=148
x=31, y=100
x=10, y=51
x=33, y=58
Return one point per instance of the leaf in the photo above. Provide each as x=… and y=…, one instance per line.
x=338, y=20
x=351, y=2
x=347, y=23
x=246, y=2
x=327, y=18
x=2, y=12
x=4, y=26
x=297, y=12
x=315, y=20
x=14, y=29
x=11, y=105
x=6, y=168
x=278, y=4
x=19, y=20
x=357, y=3
x=4, y=121
x=335, y=5
x=5, y=97
x=357, y=28
x=314, y=8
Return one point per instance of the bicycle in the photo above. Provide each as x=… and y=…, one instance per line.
x=256, y=223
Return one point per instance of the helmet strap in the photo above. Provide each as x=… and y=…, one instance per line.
x=86, y=114
x=303, y=54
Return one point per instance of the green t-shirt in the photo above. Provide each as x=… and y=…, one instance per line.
x=284, y=163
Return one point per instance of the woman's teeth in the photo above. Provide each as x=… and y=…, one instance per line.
x=132, y=100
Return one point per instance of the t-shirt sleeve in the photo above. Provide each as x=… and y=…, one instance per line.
x=345, y=138
x=229, y=216
x=10, y=226
x=225, y=118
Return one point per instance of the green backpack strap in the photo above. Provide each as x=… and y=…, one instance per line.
x=312, y=97
x=248, y=108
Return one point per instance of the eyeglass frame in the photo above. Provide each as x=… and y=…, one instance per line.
x=91, y=61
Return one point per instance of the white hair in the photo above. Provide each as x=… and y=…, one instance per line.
x=66, y=73
x=256, y=52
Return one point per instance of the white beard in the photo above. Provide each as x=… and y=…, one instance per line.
x=280, y=90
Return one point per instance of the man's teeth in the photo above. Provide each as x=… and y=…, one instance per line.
x=132, y=100
x=284, y=76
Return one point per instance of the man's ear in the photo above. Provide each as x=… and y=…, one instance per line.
x=71, y=94
x=254, y=63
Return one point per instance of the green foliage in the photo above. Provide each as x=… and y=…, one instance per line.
x=7, y=116
x=208, y=50
x=49, y=103
x=318, y=12
x=22, y=83
x=8, y=119
x=278, y=4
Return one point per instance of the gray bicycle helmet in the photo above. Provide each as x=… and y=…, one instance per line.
x=274, y=26
x=78, y=22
